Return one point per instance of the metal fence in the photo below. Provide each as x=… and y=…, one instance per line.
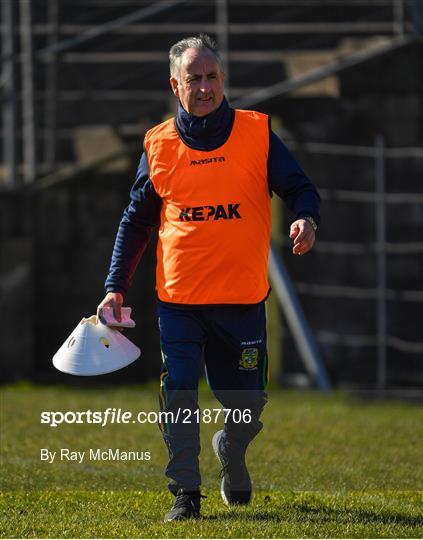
x=392, y=209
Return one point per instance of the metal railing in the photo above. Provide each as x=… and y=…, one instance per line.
x=57, y=51
x=380, y=199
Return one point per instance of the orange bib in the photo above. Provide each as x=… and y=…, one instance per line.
x=216, y=211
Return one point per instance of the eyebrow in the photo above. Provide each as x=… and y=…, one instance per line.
x=198, y=75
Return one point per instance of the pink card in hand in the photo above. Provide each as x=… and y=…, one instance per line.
x=107, y=317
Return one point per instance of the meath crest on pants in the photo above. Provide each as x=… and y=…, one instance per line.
x=249, y=359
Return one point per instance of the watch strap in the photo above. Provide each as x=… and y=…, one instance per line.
x=312, y=222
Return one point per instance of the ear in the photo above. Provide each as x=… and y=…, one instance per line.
x=174, y=86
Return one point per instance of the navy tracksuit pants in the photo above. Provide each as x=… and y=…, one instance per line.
x=232, y=341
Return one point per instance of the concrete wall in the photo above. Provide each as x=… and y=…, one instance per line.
x=16, y=291
x=53, y=271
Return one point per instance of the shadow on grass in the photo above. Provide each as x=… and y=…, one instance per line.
x=307, y=514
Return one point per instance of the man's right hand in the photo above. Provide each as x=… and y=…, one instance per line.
x=113, y=300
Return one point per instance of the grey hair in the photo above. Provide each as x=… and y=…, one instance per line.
x=200, y=42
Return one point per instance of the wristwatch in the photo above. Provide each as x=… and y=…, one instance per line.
x=312, y=222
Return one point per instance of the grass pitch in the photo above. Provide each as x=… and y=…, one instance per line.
x=324, y=466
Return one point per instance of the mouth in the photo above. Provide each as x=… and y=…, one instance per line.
x=205, y=100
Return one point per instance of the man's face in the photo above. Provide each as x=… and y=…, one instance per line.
x=200, y=83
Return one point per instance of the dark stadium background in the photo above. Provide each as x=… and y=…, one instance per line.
x=75, y=109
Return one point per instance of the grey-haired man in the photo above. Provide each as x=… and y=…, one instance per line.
x=205, y=180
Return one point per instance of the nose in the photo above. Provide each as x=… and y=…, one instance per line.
x=205, y=86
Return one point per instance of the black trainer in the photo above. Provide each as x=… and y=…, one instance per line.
x=186, y=505
x=236, y=485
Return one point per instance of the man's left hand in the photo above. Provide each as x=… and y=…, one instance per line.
x=303, y=235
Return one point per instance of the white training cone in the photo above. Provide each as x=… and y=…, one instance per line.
x=94, y=349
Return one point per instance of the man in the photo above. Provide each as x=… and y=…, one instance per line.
x=206, y=179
